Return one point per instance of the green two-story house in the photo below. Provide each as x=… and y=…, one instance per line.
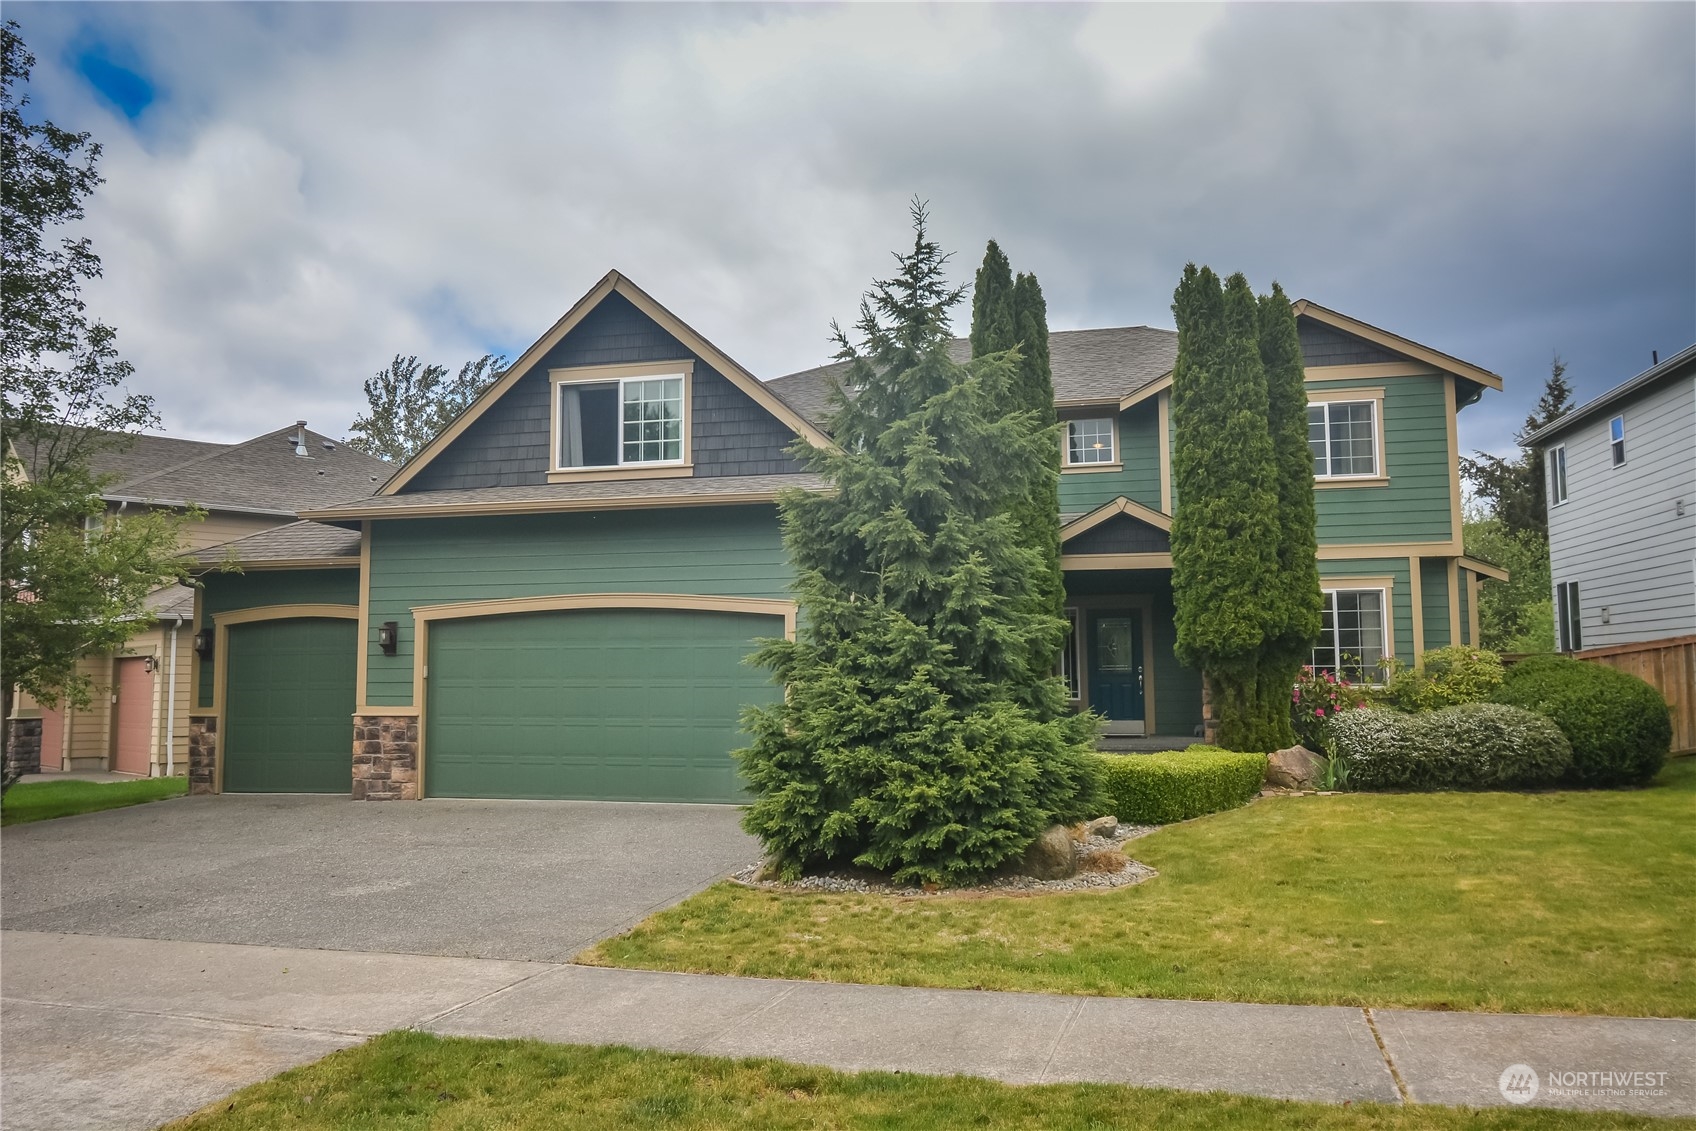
x=555, y=597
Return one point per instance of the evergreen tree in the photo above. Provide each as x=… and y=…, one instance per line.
x=1293, y=595
x=1009, y=313
x=1225, y=535
x=993, y=322
x=916, y=736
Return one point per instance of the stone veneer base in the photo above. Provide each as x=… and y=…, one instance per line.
x=23, y=746
x=202, y=754
x=385, y=757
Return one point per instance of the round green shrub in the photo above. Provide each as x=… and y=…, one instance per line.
x=1448, y=678
x=1470, y=746
x=1619, y=726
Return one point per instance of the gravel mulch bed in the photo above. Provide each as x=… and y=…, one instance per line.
x=1089, y=879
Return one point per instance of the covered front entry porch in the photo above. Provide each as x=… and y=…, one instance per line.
x=1119, y=659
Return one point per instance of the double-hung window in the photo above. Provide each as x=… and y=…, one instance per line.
x=632, y=421
x=1557, y=475
x=1616, y=439
x=1343, y=436
x=1566, y=617
x=1090, y=442
x=1353, y=636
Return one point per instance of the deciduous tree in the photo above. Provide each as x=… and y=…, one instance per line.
x=73, y=580
x=409, y=402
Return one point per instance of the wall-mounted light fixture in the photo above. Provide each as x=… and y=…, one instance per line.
x=203, y=644
x=388, y=637
x=150, y=664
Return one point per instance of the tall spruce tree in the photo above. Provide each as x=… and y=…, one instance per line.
x=1293, y=596
x=1010, y=313
x=1225, y=533
x=916, y=735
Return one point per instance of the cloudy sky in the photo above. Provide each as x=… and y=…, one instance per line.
x=295, y=193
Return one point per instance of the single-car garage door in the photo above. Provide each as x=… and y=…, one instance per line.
x=597, y=704
x=288, y=706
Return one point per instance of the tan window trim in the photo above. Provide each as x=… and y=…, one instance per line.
x=682, y=467
x=1351, y=481
x=1087, y=468
x=1375, y=397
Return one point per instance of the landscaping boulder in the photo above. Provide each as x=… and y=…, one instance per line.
x=1050, y=856
x=1102, y=826
x=1294, y=768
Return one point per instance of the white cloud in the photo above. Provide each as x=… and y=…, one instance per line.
x=321, y=186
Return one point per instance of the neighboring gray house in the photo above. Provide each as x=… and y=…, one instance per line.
x=1622, y=510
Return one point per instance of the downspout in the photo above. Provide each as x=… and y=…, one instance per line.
x=171, y=706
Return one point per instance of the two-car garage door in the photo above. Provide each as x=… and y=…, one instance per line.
x=602, y=704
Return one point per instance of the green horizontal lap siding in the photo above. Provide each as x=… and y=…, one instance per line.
x=1139, y=479
x=229, y=592
x=1415, y=506
x=1434, y=593
x=288, y=706
x=1401, y=599
x=601, y=705
x=716, y=551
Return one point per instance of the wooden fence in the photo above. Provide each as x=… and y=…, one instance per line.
x=1670, y=665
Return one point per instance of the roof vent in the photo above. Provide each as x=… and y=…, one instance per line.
x=329, y=447
x=300, y=439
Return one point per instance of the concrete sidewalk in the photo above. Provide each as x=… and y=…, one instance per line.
x=111, y=1032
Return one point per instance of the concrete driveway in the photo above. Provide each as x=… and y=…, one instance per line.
x=522, y=880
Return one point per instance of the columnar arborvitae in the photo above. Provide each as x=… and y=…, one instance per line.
x=1009, y=313
x=1225, y=531
x=1293, y=596
x=916, y=735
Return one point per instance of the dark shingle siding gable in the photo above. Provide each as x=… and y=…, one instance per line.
x=508, y=445
x=1121, y=534
x=1326, y=345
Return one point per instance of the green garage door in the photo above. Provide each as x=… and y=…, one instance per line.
x=288, y=706
x=601, y=704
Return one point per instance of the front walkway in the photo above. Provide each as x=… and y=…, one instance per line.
x=117, y=1032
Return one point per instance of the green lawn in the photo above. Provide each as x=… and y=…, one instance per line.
x=1573, y=902
x=43, y=800
x=414, y=1080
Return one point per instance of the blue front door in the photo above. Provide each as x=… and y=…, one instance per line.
x=1115, y=667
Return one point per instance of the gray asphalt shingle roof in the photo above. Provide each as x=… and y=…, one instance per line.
x=264, y=474
x=294, y=541
x=572, y=496
x=260, y=475
x=1088, y=366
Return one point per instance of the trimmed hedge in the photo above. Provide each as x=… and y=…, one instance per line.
x=1158, y=789
x=1619, y=726
x=1472, y=746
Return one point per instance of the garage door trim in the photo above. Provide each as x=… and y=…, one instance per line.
x=423, y=615
x=221, y=623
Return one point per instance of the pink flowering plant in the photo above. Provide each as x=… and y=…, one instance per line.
x=1318, y=697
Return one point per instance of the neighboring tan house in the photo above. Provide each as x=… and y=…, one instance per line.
x=243, y=488
x=1621, y=474
x=554, y=598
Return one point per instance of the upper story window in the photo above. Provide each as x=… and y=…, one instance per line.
x=1343, y=436
x=1616, y=439
x=1090, y=442
x=1557, y=475
x=618, y=417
